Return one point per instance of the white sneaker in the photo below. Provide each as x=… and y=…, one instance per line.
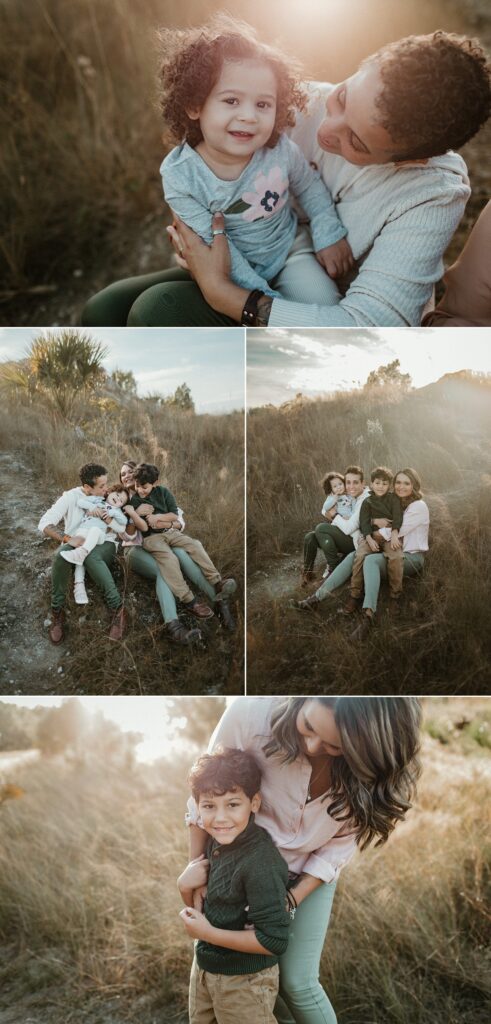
x=80, y=593
x=76, y=556
x=326, y=572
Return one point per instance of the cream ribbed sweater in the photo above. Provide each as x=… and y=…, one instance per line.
x=400, y=219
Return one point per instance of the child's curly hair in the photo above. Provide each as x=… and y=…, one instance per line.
x=326, y=481
x=192, y=61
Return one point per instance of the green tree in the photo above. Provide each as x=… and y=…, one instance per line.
x=388, y=376
x=124, y=381
x=62, y=727
x=195, y=718
x=181, y=399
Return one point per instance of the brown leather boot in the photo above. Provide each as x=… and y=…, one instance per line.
x=201, y=610
x=352, y=605
x=119, y=624
x=56, y=629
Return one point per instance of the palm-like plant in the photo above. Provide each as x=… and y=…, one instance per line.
x=67, y=366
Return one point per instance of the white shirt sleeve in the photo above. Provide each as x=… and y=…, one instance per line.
x=55, y=514
x=416, y=515
x=327, y=861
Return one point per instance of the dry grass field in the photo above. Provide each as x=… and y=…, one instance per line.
x=201, y=458
x=79, y=173
x=88, y=904
x=440, y=643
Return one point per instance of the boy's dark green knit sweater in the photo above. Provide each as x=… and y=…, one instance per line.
x=162, y=500
x=387, y=507
x=246, y=885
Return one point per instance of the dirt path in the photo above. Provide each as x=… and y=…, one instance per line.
x=25, y=652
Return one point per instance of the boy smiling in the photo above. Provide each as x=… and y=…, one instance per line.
x=235, y=968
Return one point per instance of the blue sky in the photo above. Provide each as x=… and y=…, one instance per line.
x=210, y=361
x=281, y=363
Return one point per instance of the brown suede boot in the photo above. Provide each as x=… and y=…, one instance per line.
x=119, y=624
x=352, y=605
x=56, y=629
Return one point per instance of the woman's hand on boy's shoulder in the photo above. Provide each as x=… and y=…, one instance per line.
x=195, y=875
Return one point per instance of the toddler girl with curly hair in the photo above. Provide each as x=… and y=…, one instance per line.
x=227, y=99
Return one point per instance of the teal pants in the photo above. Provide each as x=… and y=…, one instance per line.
x=302, y=999
x=143, y=563
x=374, y=571
x=169, y=298
x=98, y=566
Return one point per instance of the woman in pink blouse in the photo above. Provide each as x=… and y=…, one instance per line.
x=338, y=772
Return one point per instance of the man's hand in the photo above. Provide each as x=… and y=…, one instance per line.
x=330, y=514
x=336, y=259
x=372, y=544
x=208, y=264
x=195, y=874
x=196, y=924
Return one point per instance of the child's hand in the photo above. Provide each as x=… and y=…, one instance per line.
x=195, y=874
x=145, y=509
x=395, y=543
x=372, y=544
x=196, y=924
x=336, y=259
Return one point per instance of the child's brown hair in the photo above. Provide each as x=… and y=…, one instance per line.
x=118, y=488
x=192, y=61
x=225, y=771
x=326, y=481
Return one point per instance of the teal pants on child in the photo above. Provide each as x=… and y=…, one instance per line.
x=302, y=999
x=374, y=571
x=143, y=563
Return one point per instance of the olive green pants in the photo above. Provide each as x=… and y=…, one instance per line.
x=97, y=564
x=169, y=298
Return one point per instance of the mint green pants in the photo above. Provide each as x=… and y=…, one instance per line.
x=143, y=563
x=98, y=566
x=302, y=999
x=374, y=571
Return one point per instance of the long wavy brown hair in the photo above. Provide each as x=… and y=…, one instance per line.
x=373, y=782
x=192, y=60
x=416, y=482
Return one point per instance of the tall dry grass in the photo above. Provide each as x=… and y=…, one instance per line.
x=79, y=179
x=201, y=460
x=88, y=902
x=441, y=641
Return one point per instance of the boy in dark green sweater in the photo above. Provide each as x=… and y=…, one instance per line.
x=235, y=969
x=158, y=519
x=381, y=503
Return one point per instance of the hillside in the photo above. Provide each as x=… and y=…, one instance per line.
x=441, y=641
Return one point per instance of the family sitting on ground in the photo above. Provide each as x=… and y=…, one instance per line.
x=144, y=515
x=368, y=534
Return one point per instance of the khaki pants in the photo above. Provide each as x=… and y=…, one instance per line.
x=160, y=546
x=227, y=999
x=395, y=568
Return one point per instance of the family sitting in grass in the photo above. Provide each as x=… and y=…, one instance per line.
x=145, y=517
x=369, y=534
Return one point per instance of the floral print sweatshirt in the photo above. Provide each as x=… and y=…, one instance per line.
x=259, y=218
